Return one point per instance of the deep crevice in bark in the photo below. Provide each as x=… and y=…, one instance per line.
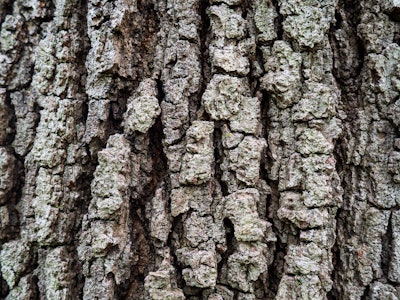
x=4, y=288
x=365, y=295
x=118, y=108
x=79, y=278
x=272, y=205
x=275, y=270
x=394, y=14
x=145, y=37
x=90, y=163
x=6, y=8
x=144, y=245
x=255, y=57
x=12, y=228
x=387, y=248
x=204, y=55
x=85, y=179
x=219, y=157
x=12, y=119
x=335, y=292
x=347, y=18
x=160, y=90
x=266, y=124
x=143, y=249
x=160, y=164
x=80, y=60
x=36, y=291
x=230, y=246
x=348, y=62
x=172, y=244
x=278, y=21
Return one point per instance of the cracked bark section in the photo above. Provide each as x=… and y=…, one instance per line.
x=365, y=224
x=201, y=150
x=302, y=129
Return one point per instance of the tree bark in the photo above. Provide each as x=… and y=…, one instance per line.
x=200, y=149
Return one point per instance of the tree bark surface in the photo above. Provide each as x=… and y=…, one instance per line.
x=199, y=149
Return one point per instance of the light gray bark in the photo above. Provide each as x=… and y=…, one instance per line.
x=213, y=150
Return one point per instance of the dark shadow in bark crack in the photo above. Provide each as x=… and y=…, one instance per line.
x=230, y=246
x=219, y=157
x=6, y=8
x=4, y=289
x=275, y=270
x=396, y=38
x=278, y=20
x=143, y=243
x=348, y=49
x=176, y=232
x=387, y=249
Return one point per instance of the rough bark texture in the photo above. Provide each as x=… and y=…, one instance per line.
x=202, y=150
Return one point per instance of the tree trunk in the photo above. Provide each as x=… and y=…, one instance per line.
x=202, y=150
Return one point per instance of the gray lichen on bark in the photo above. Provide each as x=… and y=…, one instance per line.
x=201, y=150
